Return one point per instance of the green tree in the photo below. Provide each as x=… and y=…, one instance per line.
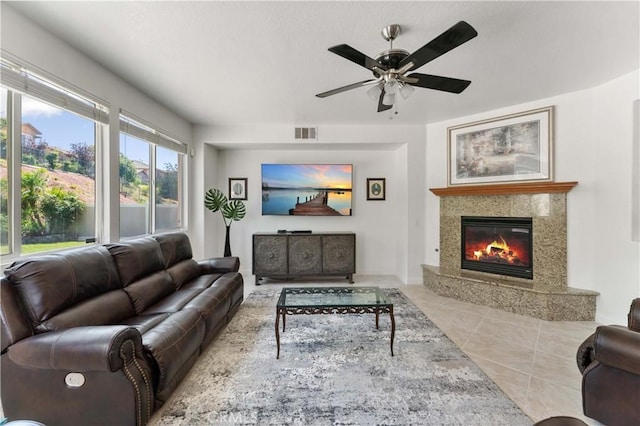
x=128, y=172
x=85, y=155
x=3, y=137
x=47, y=210
x=33, y=188
x=51, y=158
x=167, y=182
x=34, y=148
x=61, y=209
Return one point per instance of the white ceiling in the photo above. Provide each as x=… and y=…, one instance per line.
x=224, y=63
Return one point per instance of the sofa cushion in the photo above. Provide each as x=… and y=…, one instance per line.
x=172, y=345
x=149, y=290
x=175, y=247
x=106, y=309
x=173, y=302
x=202, y=281
x=51, y=283
x=184, y=272
x=136, y=258
x=144, y=323
x=214, y=306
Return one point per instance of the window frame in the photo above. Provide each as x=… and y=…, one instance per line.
x=18, y=78
x=139, y=129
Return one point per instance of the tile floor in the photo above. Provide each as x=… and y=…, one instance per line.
x=531, y=360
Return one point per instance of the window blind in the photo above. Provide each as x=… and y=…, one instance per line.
x=20, y=79
x=138, y=130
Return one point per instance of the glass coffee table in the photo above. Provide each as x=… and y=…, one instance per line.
x=332, y=300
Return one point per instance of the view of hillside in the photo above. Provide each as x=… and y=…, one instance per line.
x=82, y=186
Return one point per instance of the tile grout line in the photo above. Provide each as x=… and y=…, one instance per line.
x=533, y=363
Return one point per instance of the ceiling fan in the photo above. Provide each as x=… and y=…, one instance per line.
x=391, y=66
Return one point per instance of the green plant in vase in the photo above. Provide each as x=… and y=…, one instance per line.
x=215, y=200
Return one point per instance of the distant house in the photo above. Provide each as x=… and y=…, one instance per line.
x=30, y=133
x=142, y=170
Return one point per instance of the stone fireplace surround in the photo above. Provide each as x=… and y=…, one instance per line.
x=547, y=296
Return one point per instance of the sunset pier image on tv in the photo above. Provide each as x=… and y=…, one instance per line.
x=307, y=189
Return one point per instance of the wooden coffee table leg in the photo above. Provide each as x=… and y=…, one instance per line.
x=393, y=328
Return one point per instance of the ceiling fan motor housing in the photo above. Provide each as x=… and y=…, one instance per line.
x=391, y=59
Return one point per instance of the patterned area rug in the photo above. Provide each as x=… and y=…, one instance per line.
x=336, y=370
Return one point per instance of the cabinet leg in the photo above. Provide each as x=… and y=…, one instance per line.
x=258, y=279
x=277, y=334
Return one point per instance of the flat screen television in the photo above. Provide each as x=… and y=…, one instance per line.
x=307, y=189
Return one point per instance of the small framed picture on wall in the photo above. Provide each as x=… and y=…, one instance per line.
x=376, y=189
x=237, y=188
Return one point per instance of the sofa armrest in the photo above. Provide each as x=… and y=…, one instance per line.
x=97, y=374
x=97, y=348
x=584, y=355
x=618, y=347
x=219, y=265
x=634, y=315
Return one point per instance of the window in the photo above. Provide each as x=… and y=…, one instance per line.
x=52, y=192
x=49, y=141
x=150, y=179
x=57, y=177
x=134, y=186
x=167, y=188
x=4, y=174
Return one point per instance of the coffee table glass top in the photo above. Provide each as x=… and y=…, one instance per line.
x=294, y=297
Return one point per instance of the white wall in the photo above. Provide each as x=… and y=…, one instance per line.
x=31, y=44
x=594, y=146
x=388, y=233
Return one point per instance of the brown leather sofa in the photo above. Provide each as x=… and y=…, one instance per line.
x=609, y=361
x=104, y=334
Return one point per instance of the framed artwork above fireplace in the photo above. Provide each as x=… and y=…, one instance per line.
x=512, y=148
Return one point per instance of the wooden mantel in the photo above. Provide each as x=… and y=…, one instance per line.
x=506, y=189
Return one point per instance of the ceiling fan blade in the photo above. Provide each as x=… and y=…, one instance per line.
x=356, y=56
x=450, y=39
x=345, y=88
x=381, y=106
x=446, y=84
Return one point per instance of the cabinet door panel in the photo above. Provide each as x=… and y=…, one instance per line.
x=305, y=255
x=270, y=255
x=339, y=254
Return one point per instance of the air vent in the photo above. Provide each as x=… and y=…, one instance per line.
x=306, y=133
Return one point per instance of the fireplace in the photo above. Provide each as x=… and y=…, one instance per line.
x=545, y=294
x=497, y=245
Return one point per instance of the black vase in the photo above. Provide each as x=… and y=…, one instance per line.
x=227, y=246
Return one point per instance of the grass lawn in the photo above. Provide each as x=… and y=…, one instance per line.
x=35, y=248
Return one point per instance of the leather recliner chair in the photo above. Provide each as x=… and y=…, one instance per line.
x=609, y=361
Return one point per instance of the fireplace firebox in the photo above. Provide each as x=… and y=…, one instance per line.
x=498, y=245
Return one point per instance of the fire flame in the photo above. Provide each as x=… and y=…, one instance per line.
x=496, y=246
x=496, y=249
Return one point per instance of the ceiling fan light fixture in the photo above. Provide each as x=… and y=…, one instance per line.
x=406, y=90
x=374, y=92
x=391, y=86
x=388, y=99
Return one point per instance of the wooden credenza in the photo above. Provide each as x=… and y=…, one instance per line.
x=289, y=255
